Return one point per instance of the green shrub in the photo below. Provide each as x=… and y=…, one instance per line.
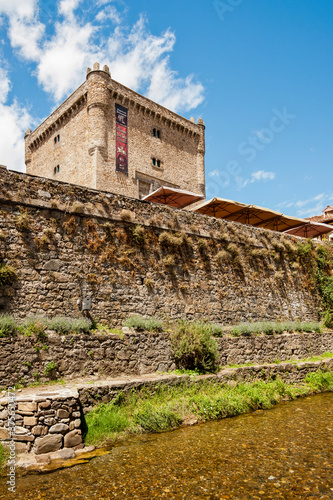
x=34, y=325
x=142, y=324
x=194, y=346
x=320, y=380
x=8, y=325
x=7, y=275
x=65, y=325
x=269, y=328
x=50, y=367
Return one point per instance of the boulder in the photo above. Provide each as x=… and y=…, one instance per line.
x=45, y=405
x=58, y=429
x=48, y=443
x=72, y=439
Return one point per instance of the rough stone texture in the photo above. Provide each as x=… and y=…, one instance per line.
x=48, y=443
x=72, y=438
x=27, y=407
x=59, y=428
x=30, y=421
x=98, y=257
x=86, y=150
x=140, y=353
x=64, y=454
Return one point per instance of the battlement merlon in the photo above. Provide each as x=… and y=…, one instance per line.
x=121, y=93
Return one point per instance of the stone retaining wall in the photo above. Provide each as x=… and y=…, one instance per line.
x=53, y=422
x=44, y=422
x=66, y=243
x=25, y=360
x=288, y=372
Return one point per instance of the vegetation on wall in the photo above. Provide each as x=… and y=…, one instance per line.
x=38, y=325
x=194, y=346
x=7, y=275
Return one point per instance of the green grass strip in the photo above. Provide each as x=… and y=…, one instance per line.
x=165, y=407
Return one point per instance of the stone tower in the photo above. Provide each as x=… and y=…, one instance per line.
x=108, y=137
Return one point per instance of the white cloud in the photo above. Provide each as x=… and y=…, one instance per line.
x=214, y=173
x=141, y=60
x=310, y=206
x=260, y=175
x=24, y=9
x=137, y=58
x=59, y=74
x=4, y=85
x=302, y=203
x=109, y=12
x=14, y=120
x=26, y=36
x=67, y=7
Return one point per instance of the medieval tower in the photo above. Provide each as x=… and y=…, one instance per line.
x=108, y=137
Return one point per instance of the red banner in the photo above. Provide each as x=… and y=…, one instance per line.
x=121, y=140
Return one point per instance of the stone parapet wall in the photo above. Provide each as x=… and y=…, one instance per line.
x=25, y=360
x=66, y=242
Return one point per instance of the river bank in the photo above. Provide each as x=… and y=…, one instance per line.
x=162, y=402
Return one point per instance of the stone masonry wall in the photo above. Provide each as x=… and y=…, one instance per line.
x=44, y=423
x=66, y=243
x=25, y=360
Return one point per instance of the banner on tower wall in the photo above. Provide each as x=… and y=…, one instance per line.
x=121, y=139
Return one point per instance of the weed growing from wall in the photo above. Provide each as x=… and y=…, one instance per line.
x=7, y=275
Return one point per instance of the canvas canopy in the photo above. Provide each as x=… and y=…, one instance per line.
x=248, y=214
x=177, y=198
x=311, y=230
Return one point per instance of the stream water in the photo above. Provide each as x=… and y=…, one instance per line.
x=286, y=453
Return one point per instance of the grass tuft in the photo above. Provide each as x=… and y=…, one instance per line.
x=142, y=324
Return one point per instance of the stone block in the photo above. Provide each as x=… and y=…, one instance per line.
x=72, y=439
x=4, y=434
x=48, y=443
x=45, y=405
x=49, y=421
x=20, y=430
x=37, y=430
x=77, y=423
x=27, y=407
x=62, y=414
x=25, y=438
x=58, y=429
x=30, y=421
x=66, y=453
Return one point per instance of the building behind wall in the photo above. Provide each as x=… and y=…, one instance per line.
x=108, y=137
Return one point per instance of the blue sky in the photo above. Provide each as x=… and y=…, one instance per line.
x=258, y=72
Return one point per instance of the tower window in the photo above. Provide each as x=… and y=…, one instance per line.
x=56, y=169
x=156, y=163
x=156, y=133
x=57, y=139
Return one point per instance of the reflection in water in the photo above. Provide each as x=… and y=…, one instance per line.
x=282, y=453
